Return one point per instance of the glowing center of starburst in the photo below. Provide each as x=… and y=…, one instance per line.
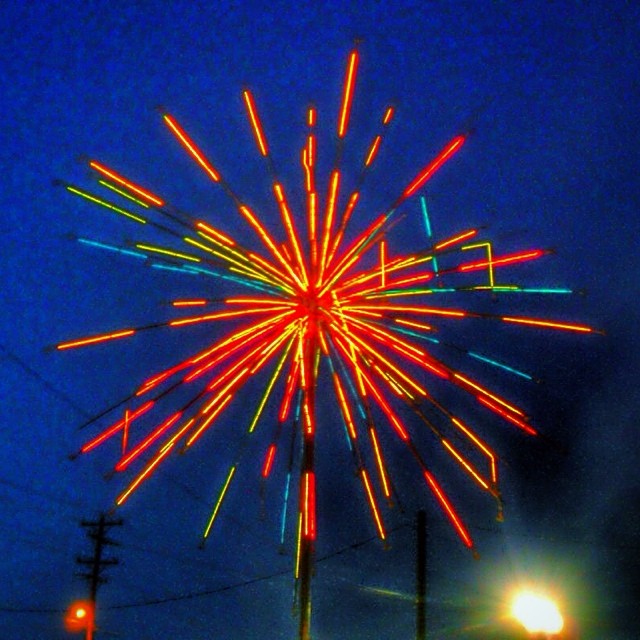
x=312, y=305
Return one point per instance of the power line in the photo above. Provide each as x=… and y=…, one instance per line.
x=10, y=355
x=245, y=583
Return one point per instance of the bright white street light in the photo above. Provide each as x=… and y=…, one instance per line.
x=536, y=613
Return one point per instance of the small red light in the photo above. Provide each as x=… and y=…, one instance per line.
x=79, y=616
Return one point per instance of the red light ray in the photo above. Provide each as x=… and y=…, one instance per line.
x=500, y=261
x=191, y=147
x=126, y=460
x=420, y=180
x=118, y=426
x=104, y=337
x=448, y=509
x=268, y=461
x=347, y=95
x=255, y=123
x=131, y=186
x=457, y=239
x=548, y=324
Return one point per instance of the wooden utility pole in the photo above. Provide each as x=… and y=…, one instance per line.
x=97, y=531
x=307, y=533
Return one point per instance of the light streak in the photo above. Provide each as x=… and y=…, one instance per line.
x=189, y=303
x=331, y=206
x=167, y=252
x=373, y=150
x=503, y=260
x=382, y=471
x=291, y=230
x=191, y=147
x=481, y=445
x=108, y=247
x=344, y=407
x=110, y=173
x=474, y=474
x=123, y=193
x=448, y=509
x=214, y=515
x=255, y=122
x=266, y=238
x=456, y=239
x=383, y=275
x=209, y=420
x=347, y=95
x=118, y=426
x=105, y=204
x=270, y=385
x=514, y=419
x=221, y=237
x=485, y=392
x=126, y=460
x=537, y=322
x=308, y=510
x=448, y=151
x=500, y=365
x=268, y=462
x=104, y=337
x=372, y=503
x=489, y=263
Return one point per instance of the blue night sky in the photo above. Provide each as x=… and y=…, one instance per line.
x=549, y=93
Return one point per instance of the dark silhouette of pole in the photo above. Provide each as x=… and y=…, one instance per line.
x=421, y=575
x=98, y=533
x=307, y=486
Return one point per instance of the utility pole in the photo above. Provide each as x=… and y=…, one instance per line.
x=421, y=575
x=97, y=531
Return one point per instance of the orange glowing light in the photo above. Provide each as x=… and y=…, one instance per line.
x=80, y=617
x=146, y=195
x=191, y=147
x=456, y=239
x=118, y=426
x=537, y=322
x=373, y=150
x=474, y=474
x=255, y=122
x=518, y=421
x=347, y=96
x=215, y=233
x=485, y=392
x=382, y=472
x=309, y=505
x=372, y=503
x=434, y=165
x=449, y=510
x=104, y=337
x=344, y=407
x=189, y=303
x=311, y=117
x=125, y=461
x=268, y=463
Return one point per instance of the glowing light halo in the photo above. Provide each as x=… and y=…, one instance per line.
x=537, y=613
x=324, y=310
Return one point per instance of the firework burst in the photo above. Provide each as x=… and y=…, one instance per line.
x=348, y=314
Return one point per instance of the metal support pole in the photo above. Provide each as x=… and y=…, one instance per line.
x=307, y=538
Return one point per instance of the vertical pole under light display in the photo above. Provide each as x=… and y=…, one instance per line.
x=307, y=483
